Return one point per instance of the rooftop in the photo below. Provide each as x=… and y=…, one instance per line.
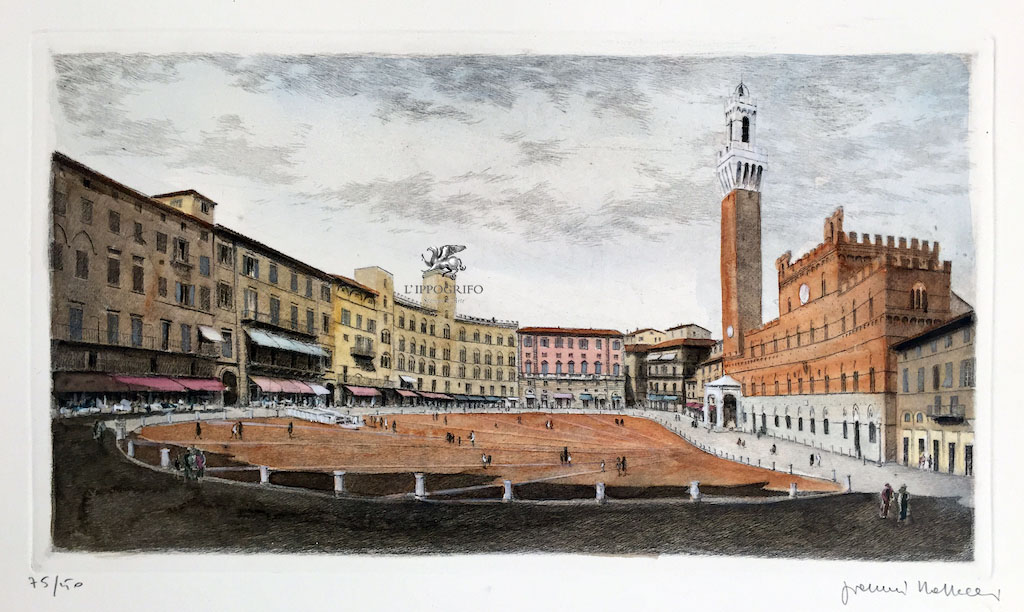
x=935, y=331
x=569, y=331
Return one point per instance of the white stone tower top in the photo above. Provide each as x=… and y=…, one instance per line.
x=741, y=163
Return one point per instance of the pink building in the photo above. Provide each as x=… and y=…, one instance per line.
x=562, y=367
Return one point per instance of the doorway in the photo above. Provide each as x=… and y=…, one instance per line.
x=906, y=451
x=952, y=456
x=856, y=437
x=935, y=455
x=728, y=411
x=231, y=388
x=969, y=460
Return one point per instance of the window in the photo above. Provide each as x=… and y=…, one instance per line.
x=250, y=266
x=137, y=234
x=346, y=317
x=446, y=332
x=906, y=380
x=948, y=341
x=224, y=295
x=86, y=211
x=165, y=335
x=967, y=373
x=136, y=330
x=371, y=325
x=295, y=282
x=871, y=380
x=81, y=264
x=871, y=432
x=919, y=297
x=597, y=344
x=615, y=370
x=824, y=426
x=597, y=366
x=325, y=292
x=967, y=335
x=846, y=430
x=161, y=242
x=204, y=206
x=935, y=377
x=224, y=253
x=295, y=316
x=275, y=310
x=309, y=287
x=113, y=322
x=138, y=275
x=56, y=256
x=947, y=380
x=920, y=380
x=543, y=367
x=745, y=129
x=326, y=323
x=161, y=286
x=776, y=420
x=527, y=341
x=359, y=321
x=251, y=304
x=935, y=346
x=204, y=236
x=75, y=323
x=184, y=294
x=583, y=367
x=227, y=346
x=616, y=345
x=114, y=221
x=204, y=265
x=181, y=250
x=60, y=203
x=584, y=344
x=812, y=425
x=186, y=338
x=113, y=271
x=309, y=321
x=789, y=422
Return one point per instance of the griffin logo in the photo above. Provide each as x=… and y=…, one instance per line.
x=444, y=259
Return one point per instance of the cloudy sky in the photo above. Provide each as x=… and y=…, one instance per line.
x=582, y=187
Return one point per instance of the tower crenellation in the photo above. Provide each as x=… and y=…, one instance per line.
x=741, y=163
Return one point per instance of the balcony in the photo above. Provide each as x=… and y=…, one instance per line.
x=143, y=342
x=948, y=415
x=363, y=351
x=252, y=316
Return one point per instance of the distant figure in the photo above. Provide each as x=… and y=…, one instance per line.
x=618, y=465
x=472, y=438
x=812, y=459
x=483, y=461
x=602, y=465
x=887, y=496
x=234, y=430
x=291, y=428
x=460, y=440
x=495, y=424
x=446, y=419
x=199, y=430
x=929, y=462
x=568, y=458
x=519, y=420
x=200, y=463
x=739, y=441
x=394, y=426
x=818, y=457
x=623, y=465
x=903, y=499
x=239, y=430
x=774, y=450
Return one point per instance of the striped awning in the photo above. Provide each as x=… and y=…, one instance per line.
x=362, y=391
x=562, y=396
x=586, y=396
x=268, y=339
x=406, y=393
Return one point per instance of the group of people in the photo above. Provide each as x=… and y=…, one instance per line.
x=902, y=500
x=549, y=424
x=236, y=430
x=564, y=456
x=924, y=462
x=815, y=459
x=485, y=460
x=621, y=422
x=451, y=438
x=740, y=442
x=192, y=464
x=97, y=430
x=620, y=465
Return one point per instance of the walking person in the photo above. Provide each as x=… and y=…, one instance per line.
x=623, y=465
x=472, y=438
x=291, y=428
x=818, y=457
x=812, y=459
x=773, y=449
x=199, y=431
x=903, y=500
x=618, y=465
x=887, y=497
x=239, y=430
x=602, y=465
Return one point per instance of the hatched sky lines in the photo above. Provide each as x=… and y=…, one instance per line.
x=592, y=175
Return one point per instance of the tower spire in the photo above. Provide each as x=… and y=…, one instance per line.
x=741, y=163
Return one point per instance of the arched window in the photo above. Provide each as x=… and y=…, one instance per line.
x=487, y=373
x=906, y=417
x=462, y=334
x=745, y=135
x=572, y=367
x=476, y=371
x=487, y=358
x=789, y=422
x=500, y=358
x=462, y=355
x=558, y=367
x=823, y=284
x=871, y=432
x=401, y=366
x=583, y=367
x=919, y=297
x=476, y=356
x=447, y=332
x=476, y=336
x=511, y=359
x=597, y=367
x=789, y=304
x=824, y=426
x=385, y=361
x=920, y=417
x=543, y=367
x=510, y=341
x=615, y=369
x=401, y=343
x=423, y=366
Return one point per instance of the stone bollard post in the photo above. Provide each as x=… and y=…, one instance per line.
x=790, y=468
x=169, y=415
x=421, y=485
x=142, y=421
x=165, y=457
x=849, y=483
x=695, y=490
x=833, y=474
x=131, y=448
x=507, y=495
x=758, y=462
x=264, y=474
x=339, y=482
x=119, y=431
x=599, y=492
x=792, y=489
x=773, y=466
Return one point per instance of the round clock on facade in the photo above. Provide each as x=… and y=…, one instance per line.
x=805, y=293
x=728, y=331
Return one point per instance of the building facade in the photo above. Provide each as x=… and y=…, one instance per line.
x=671, y=372
x=822, y=373
x=571, y=368
x=131, y=317
x=935, y=397
x=709, y=370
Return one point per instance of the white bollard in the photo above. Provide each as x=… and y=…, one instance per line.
x=598, y=490
x=833, y=474
x=507, y=496
x=119, y=431
x=849, y=483
x=165, y=457
x=421, y=485
x=695, y=490
x=790, y=468
x=169, y=415
x=131, y=448
x=339, y=482
x=264, y=474
x=792, y=489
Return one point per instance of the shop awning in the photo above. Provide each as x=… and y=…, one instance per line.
x=668, y=356
x=531, y=396
x=267, y=385
x=210, y=333
x=655, y=398
x=272, y=340
x=562, y=396
x=653, y=357
x=409, y=379
x=89, y=382
x=670, y=398
x=586, y=396
x=319, y=390
x=492, y=398
x=512, y=399
x=694, y=405
x=406, y=393
x=461, y=398
x=616, y=396
x=476, y=398
x=201, y=384
x=151, y=383
x=362, y=391
x=431, y=395
x=294, y=386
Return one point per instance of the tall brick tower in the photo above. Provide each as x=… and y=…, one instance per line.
x=740, y=169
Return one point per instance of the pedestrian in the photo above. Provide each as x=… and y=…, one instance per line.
x=903, y=500
x=199, y=431
x=623, y=465
x=887, y=495
x=446, y=420
x=200, y=463
x=460, y=440
x=618, y=465
x=568, y=458
x=739, y=442
x=239, y=430
x=291, y=428
x=602, y=465
x=472, y=438
x=812, y=459
x=234, y=430
x=519, y=420
x=483, y=460
x=394, y=426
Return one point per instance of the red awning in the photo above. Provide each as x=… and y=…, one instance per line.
x=93, y=382
x=290, y=386
x=694, y=405
x=430, y=395
x=201, y=384
x=362, y=391
x=269, y=385
x=406, y=393
x=299, y=386
x=151, y=383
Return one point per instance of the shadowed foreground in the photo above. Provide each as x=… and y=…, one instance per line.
x=104, y=503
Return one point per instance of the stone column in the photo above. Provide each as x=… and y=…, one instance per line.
x=695, y=490
x=598, y=490
x=705, y=411
x=131, y=448
x=507, y=496
x=719, y=417
x=165, y=457
x=119, y=431
x=339, y=482
x=849, y=483
x=264, y=474
x=792, y=489
x=421, y=484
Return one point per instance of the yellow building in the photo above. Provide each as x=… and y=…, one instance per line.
x=935, y=397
